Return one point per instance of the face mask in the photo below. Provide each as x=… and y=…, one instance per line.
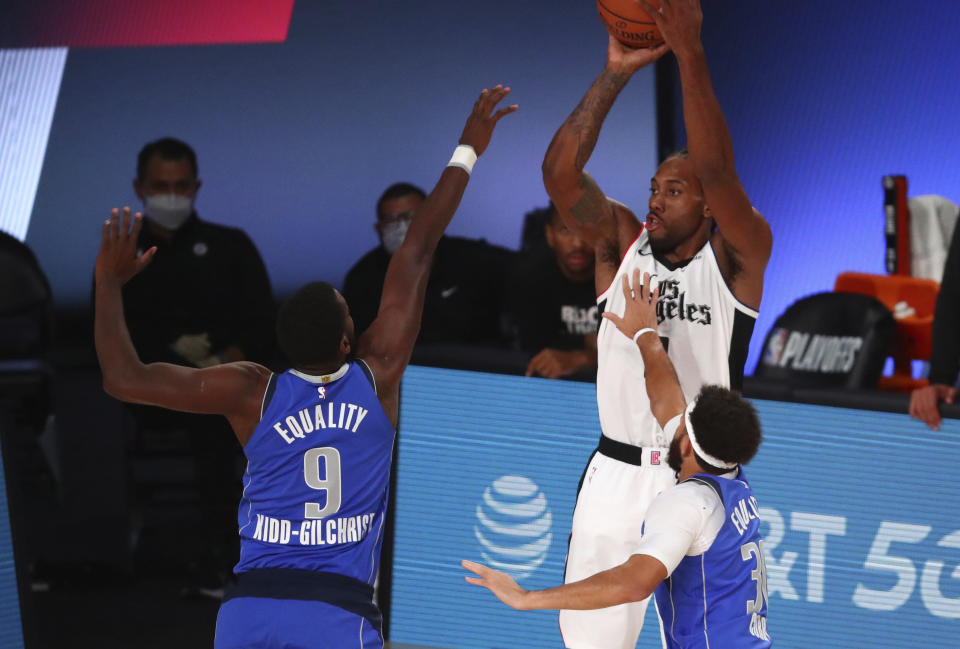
x=393, y=234
x=169, y=211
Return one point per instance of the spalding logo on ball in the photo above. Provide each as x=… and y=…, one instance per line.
x=513, y=525
x=629, y=23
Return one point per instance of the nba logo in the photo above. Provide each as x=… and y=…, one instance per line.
x=654, y=457
x=775, y=346
x=322, y=391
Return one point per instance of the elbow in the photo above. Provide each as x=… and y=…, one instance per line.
x=548, y=168
x=114, y=387
x=554, y=176
x=120, y=387
x=636, y=593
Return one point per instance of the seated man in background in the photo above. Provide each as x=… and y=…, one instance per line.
x=945, y=357
x=205, y=300
x=466, y=291
x=552, y=301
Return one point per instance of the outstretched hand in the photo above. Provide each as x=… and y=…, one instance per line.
x=118, y=259
x=679, y=22
x=479, y=127
x=499, y=583
x=641, y=310
x=627, y=60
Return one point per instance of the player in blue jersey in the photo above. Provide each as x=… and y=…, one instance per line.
x=318, y=438
x=701, y=551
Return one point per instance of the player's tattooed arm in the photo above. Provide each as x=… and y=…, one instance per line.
x=578, y=199
x=586, y=119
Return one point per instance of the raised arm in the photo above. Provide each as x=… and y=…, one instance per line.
x=744, y=231
x=639, y=323
x=388, y=343
x=577, y=197
x=232, y=389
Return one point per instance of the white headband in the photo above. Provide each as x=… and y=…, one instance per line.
x=709, y=459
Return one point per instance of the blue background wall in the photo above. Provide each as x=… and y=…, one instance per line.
x=296, y=141
x=823, y=99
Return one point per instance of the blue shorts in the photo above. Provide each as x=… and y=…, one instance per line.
x=265, y=623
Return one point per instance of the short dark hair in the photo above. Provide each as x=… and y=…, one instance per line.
x=310, y=325
x=168, y=148
x=397, y=190
x=726, y=427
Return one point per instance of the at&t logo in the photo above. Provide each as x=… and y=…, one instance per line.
x=513, y=525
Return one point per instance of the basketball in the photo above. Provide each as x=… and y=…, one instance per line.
x=629, y=23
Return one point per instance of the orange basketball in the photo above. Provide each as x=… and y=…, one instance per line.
x=629, y=23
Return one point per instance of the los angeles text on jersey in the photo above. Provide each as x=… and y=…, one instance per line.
x=673, y=304
x=326, y=531
x=320, y=417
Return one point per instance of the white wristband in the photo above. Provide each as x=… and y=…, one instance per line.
x=464, y=157
x=641, y=332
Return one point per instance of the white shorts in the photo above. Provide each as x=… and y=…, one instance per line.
x=607, y=524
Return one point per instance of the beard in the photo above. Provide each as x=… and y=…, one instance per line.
x=674, y=461
x=663, y=245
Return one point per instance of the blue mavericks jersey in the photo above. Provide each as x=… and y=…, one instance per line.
x=719, y=598
x=318, y=471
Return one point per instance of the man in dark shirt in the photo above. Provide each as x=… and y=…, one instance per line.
x=945, y=357
x=466, y=290
x=553, y=303
x=204, y=300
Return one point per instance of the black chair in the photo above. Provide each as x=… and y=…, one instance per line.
x=827, y=340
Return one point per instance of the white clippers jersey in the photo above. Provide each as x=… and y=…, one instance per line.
x=704, y=328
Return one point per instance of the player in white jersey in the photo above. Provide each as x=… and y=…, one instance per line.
x=708, y=248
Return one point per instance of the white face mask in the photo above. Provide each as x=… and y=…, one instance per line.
x=169, y=211
x=393, y=234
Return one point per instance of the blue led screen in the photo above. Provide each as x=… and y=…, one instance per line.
x=862, y=541
x=11, y=633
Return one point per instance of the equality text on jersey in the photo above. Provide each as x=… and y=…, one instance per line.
x=346, y=416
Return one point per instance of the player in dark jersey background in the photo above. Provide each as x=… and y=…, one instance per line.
x=701, y=550
x=318, y=438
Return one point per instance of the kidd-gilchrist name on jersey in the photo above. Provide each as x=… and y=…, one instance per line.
x=315, y=490
x=704, y=328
